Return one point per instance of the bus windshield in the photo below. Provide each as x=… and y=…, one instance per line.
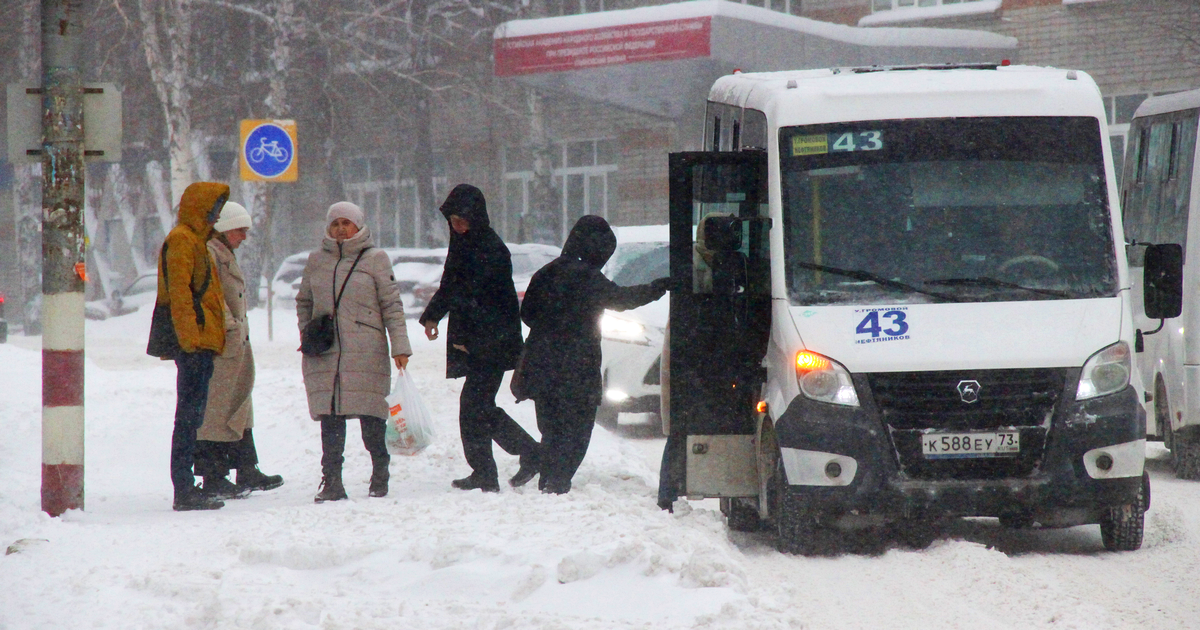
x=952, y=209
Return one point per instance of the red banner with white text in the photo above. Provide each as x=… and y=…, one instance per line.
x=606, y=46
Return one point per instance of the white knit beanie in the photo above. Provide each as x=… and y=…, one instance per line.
x=345, y=210
x=233, y=216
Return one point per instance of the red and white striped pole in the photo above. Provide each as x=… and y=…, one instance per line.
x=63, y=251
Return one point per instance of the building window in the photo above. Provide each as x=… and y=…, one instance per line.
x=374, y=184
x=391, y=204
x=581, y=170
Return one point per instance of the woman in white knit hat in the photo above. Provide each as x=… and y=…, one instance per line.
x=350, y=280
x=226, y=441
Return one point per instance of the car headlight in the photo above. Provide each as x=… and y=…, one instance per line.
x=1105, y=372
x=824, y=379
x=619, y=329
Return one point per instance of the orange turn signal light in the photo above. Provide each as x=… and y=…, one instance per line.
x=761, y=407
x=810, y=362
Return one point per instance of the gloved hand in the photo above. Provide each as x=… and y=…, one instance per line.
x=662, y=285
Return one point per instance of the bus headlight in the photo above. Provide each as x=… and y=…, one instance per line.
x=825, y=380
x=1105, y=372
x=620, y=329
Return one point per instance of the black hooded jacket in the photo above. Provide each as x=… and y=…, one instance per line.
x=563, y=306
x=476, y=290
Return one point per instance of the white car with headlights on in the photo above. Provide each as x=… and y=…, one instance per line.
x=632, y=340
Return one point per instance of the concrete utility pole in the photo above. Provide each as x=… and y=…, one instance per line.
x=63, y=242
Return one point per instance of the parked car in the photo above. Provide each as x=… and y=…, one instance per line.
x=126, y=299
x=632, y=340
x=286, y=281
x=414, y=267
x=527, y=258
x=410, y=266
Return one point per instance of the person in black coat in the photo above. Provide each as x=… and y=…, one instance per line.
x=483, y=339
x=561, y=371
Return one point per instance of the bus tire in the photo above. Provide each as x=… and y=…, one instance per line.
x=741, y=515
x=796, y=528
x=1162, y=415
x=1185, y=454
x=1121, y=526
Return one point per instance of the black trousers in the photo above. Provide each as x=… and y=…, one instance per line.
x=333, y=441
x=216, y=459
x=191, y=397
x=566, y=426
x=480, y=422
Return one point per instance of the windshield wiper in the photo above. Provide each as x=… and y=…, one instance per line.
x=867, y=276
x=984, y=281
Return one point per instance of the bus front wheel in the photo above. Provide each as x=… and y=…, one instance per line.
x=1122, y=526
x=797, y=529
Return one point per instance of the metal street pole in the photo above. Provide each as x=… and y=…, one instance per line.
x=63, y=243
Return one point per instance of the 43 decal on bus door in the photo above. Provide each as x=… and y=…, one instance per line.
x=882, y=324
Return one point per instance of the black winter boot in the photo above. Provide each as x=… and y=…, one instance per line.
x=195, y=499
x=379, y=476
x=472, y=483
x=220, y=487
x=254, y=479
x=527, y=471
x=331, y=489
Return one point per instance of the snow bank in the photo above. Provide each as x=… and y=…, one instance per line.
x=429, y=557
x=426, y=556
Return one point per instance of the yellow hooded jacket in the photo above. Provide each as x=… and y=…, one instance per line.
x=188, y=264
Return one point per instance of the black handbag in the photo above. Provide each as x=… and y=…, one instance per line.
x=317, y=336
x=164, y=342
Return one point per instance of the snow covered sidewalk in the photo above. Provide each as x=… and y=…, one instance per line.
x=426, y=556
x=430, y=557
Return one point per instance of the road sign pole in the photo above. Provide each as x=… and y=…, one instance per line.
x=63, y=243
x=268, y=154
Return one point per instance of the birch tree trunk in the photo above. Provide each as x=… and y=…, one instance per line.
x=166, y=40
x=543, y=223
x=257, y=257
x=27, y=190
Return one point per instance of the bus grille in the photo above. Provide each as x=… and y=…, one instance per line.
x=913, y=403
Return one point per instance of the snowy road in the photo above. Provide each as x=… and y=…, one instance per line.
x=430, y=557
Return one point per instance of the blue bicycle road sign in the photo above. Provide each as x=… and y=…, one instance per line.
x=268, y=150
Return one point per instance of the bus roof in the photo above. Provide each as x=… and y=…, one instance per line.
x=806, y=97
x=1168, y=103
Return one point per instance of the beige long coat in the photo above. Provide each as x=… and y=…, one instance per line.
x=354, y=376
x=230, y=412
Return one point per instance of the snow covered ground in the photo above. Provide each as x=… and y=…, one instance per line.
x=430, y=557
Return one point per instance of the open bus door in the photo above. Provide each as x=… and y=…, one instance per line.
x=719, y=323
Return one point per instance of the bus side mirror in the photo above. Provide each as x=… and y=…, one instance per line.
x=1163, y=281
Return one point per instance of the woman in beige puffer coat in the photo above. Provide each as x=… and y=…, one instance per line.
x=352, y=378
x=226, y=439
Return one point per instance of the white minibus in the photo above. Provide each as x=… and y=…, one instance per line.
x=907, y=300
x=1158, y=188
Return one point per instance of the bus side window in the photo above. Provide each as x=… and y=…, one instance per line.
x=1173, y=152
x=754, y=130
x=1142, y=154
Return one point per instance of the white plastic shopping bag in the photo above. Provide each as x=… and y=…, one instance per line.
x=409, y=425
